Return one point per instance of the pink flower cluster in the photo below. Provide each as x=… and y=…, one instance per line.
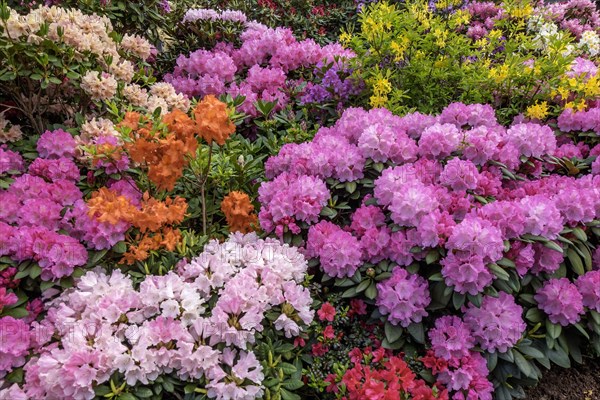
x=170, y=325
x=580, y=121
x=263, y=61
x=288, y=199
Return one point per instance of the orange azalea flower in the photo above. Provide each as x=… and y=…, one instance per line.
x=131, y=120
x=213, y=120
x=238, y=211
x=108, y=206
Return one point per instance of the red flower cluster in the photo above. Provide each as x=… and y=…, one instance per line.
x=380, y=376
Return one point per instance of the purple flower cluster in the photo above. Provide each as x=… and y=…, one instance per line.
x=14, y=343
x=498, y=324
x=334, y=84
x=203, y=14
x=263, y=61
x=455, y=364
x=403, y=297
x=56, y=144
x=10, y=160
x=575, y=16
x=168, y=325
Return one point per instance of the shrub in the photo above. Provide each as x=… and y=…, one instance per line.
x=416, y=56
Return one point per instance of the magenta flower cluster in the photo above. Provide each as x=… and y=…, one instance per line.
x=167, y=326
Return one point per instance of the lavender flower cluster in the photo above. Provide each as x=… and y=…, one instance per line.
x=169, y=325
x=263, y=62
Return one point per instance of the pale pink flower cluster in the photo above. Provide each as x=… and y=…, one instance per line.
x=99, y=86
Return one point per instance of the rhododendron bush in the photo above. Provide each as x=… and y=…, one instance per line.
x=465, y=237
x=204, y=324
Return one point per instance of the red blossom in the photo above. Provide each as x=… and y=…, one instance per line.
x=328, y=332
x=326, y=313
x=319, y=349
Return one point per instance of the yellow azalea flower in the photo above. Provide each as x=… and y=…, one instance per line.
x=345, y=37
x=581, y=105
x=538, y=111
x=495, y=34
x=563, y=92
x=569, y=105
x=377, y=101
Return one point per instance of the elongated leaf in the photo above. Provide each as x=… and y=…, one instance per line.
x=575, y=261
x=392, y=332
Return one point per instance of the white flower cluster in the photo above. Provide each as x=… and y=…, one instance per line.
x=590, y=42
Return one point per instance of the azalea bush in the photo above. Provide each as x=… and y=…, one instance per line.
x=517, y=56
x=462, y=236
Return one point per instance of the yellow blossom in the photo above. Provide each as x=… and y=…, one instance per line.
x=538, y=111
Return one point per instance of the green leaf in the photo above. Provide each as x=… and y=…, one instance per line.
x=328, y=212
x=102, y=390
x=531, y=352
x=190, y=388
x=458, y=300
x=553, y=330
x=351, y=292
x=417, y=332
x=534, y=315
x=505, y=262
x=363, y=285
x=559, y=357
x=95, y=257
x=580, y=234
x=554, y=246
x=36, y=271
x=492, y=360
x=16, y=376
x=126, y=396
x=350, y=187
x=371, y=291
x=523, y=364
x=143, y=392
x=576, y=263
x=286, y=395
x=287, y=368
x=392, y=332
x=432, y=256
x=120, y=247
x=293, y=384
x=19, y=312
x=499, y=272
x=46, y=285
x=168, y=386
